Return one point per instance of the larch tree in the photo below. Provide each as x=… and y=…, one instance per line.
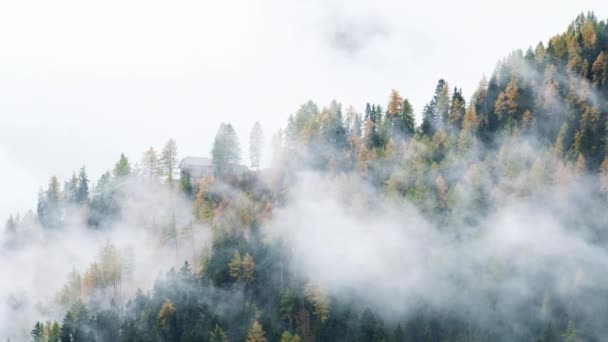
x=168, y=160
x=256, y=333
x=470, y=120
x=247, y=268
x=318, y=300
x=256, y=144
x=150, y=164
x=604, y=175
x=234, y=266
x=395, y=103
x=580, y=165
x=588, y=34
x=167, y=319
x=288, y=337
x=443, y=104
x=599, y=70
x=507, y=103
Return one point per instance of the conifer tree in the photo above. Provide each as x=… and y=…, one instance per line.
x=82, y=194
x=395, y=103
x=122, y=167
x=168, y=160
x=570, y=333
x=150, y=164
x=217, y=335
x=256, y=142
x=226, y=151
x=256, y=333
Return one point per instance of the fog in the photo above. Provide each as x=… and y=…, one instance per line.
x=82, y=83
x=36, y=262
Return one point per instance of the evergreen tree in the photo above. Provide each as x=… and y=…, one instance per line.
x=570, y=334
x=256, y=142
x=122, y=167
x=37, y=333
x=217, y=335
x=226, y=151
x=82, y=193
x=185, y=184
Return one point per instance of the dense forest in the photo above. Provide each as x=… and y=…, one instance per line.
x=484, y=222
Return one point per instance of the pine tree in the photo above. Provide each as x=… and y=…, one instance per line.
x=218, y=335
x=256, y=142
x=82, y=194
x=70, y=189
x=37, y=332
x=549, y=334
x=398, y=335
x=185, y=184
x=122, y=167
x=428, y=120
x=226, y=151
x=457, y=110
x=570, y=334
x=11, y=225
x=55, y=333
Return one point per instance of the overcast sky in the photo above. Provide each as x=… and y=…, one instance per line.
x=83, y=81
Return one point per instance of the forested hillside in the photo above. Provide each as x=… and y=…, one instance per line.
x=485, y=222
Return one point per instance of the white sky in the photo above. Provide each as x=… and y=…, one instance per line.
x=83, y=81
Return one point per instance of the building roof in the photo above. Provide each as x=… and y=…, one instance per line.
x=195, y=162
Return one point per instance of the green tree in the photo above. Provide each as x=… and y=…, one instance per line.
x=398, y=335
x=570, y=333
x=122, y=167
x=457, y=109
x=217, y=335
x=256, y=143
x=82, y=194
x=37, y=332
x=226, y=151
x=185, y=184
